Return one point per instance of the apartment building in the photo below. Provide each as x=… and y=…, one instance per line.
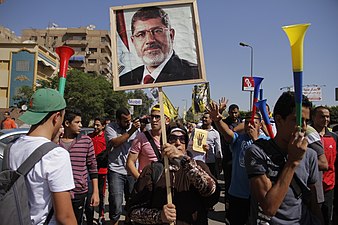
x=6, y=35
x=92, y=47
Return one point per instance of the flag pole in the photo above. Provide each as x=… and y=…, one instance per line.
x=164, y=140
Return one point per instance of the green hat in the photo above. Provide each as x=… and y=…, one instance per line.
x=43, y=101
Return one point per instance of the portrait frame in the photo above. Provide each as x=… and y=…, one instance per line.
x=187, y=43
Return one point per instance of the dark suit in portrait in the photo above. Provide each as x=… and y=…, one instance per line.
x=176, y=69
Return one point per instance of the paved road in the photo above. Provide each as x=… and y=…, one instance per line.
x=216, y=217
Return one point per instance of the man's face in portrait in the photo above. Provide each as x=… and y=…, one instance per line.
x=153, y=41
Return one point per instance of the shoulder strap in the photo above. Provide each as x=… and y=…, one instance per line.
x=35, y=157
x=5, y=163
x=153, y=145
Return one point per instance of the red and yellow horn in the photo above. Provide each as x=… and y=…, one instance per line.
x=64, y=53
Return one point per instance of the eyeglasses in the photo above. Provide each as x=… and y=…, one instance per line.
x=173, y=138
x=156, y=117
x=247, y=120
x=156, y=32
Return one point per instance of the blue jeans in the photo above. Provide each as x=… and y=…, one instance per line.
x=119, y=184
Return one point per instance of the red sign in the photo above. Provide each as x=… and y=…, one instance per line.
x=248, y=84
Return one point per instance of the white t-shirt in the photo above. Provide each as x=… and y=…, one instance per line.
x=52, y=174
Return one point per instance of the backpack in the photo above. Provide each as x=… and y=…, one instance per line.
x=14, y=206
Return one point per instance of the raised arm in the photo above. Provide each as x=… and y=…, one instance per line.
x=222, y=127
x=270, y=196
x=113, y=140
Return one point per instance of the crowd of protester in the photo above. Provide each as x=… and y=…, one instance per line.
x=287, y=179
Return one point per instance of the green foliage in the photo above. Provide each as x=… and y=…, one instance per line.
x=23, y=96
x=334, y=114
x=94, y=96
x=140, y=110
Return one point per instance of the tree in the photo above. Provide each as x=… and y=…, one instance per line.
x=23, y=96
x=334, y=114
x=140, y=110
x=92, y=95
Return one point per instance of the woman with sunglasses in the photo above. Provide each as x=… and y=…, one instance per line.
x=193, y=188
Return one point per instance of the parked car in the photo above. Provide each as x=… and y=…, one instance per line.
x=10, y=135
x=2, y=148
x=87, y=130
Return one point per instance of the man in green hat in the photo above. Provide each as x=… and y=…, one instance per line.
x=51, y=178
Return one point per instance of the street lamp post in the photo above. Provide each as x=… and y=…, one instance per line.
x=185, y=110
x=251, y=67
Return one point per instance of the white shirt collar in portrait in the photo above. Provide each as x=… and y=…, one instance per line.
x=158, y=70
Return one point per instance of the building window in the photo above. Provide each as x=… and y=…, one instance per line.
x=76, y=49
x=92, y=60
x=103, y=39
x=33, y=38
x=103, y=50
x=22, y=65
x=79, y=38
x=93, y=49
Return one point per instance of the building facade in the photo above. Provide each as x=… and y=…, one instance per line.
x=23, y=64
x=6, y=35
x=92, y=47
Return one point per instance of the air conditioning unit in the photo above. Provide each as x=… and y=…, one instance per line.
x=88, y=52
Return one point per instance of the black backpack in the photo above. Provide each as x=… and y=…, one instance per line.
x=14, y=207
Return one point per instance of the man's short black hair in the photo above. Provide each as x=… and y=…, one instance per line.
x=232, y=107
x=285, y=104
x=152, y=12
x=102, y=121
x=120, y=111
x=315, y=110
x=71, y=114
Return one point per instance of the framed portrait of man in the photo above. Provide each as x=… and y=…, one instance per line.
x=156, y=45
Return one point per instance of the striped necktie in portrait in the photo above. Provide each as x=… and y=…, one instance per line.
x=148, y=79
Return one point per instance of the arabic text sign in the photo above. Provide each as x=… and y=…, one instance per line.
x=313, y=93
x=135, y=101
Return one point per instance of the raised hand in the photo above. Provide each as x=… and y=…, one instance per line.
x=213, y=111
x=222, y=104
x=297, y=147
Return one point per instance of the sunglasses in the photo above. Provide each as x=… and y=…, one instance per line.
x=156, y=117
x=173, y=138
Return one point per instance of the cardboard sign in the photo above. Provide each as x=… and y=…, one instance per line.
x=200, y=139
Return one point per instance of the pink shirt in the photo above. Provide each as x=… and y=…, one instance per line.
x=146, y=153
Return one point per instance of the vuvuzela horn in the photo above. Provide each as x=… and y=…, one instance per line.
x=257, y=82
x=261, y=105
x=64, y=53
x=296, y=34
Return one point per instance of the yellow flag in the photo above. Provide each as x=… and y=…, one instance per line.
x=200, y=97
x=172, y=110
